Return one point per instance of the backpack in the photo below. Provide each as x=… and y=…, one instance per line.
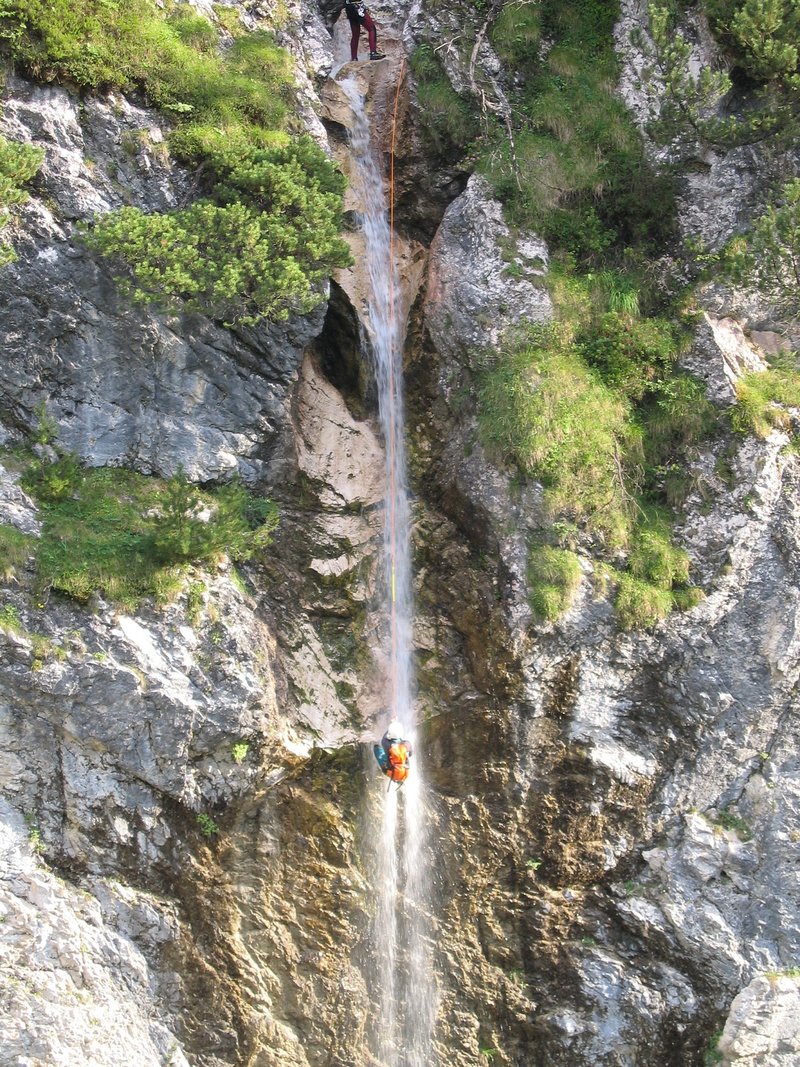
x=398, y=761
x=355, y=11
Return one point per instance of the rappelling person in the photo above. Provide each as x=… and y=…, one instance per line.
x=358, y=15
x=394, y=753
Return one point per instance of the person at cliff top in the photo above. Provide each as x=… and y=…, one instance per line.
x=358, y=15
x=394, y=753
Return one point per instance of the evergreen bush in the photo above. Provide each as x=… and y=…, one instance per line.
x=261, y=251
x=18, y=164
x=115, y=532
x=261, y=245
x=768, y=256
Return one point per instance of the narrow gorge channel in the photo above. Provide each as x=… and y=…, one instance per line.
x=401, y=933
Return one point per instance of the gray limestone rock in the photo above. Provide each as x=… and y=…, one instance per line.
x=482, y=281
x=720, y=355
x=127, y=386
x=614, y=814
x=763, y=1027
x=76, y=987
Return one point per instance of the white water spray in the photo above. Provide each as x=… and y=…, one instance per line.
x=402, y=935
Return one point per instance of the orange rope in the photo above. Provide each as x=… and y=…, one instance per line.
x=392, y=428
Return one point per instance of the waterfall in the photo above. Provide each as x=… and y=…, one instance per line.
x=402, y=937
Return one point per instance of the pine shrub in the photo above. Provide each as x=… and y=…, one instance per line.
x=115, y=532
x=266, y=235
x=18, y=164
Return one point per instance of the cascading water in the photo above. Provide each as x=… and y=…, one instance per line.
x=402, y=934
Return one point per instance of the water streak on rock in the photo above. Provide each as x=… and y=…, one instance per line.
x=401, y=934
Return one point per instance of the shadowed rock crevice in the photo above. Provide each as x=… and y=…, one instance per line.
x=340, y=349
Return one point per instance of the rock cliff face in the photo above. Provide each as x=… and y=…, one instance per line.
x=615, y=815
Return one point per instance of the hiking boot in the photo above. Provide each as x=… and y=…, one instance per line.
x=377, y=55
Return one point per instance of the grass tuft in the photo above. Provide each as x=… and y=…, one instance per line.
x=544, y=409
x=554, y=575
x=763, y=396
x=16, y=548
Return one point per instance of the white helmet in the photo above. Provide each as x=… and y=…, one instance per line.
x=395, y=728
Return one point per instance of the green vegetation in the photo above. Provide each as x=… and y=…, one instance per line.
x=688, y=107
x=763, y=37
x=595, y=409
x=18, y=164
x=761, y=44
x=675, y=417
x=554, y=575
x=768, y=257
x=577, y=172
x=126, y=536
x=195, y=599
x=206, y=825
x=15, y=550
x=787, y=972
x=712, y=1055
x=266, y=232
x=760, y=38
x=639, y=604
x=172, y=57
x=542, y=408
x=729, y=821
x=657, y=575
x=10, y=620
x=259, y=249
x=239, y=751
x=762, y=399
x=34, y=834
x=448, y=120
x=43, y=648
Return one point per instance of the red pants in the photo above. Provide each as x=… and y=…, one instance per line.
x=372, y=34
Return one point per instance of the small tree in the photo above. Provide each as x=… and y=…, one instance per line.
x=18, y=164
x=769, y=256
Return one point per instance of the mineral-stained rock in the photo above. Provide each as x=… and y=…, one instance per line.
x=613, y=816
